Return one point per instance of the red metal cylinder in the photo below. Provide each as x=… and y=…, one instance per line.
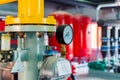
x=82, y=37
x=62, y=18
x=2, y=25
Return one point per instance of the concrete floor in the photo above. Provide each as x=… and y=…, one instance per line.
x=98, y=75
x=88, y=78
x=94, y=75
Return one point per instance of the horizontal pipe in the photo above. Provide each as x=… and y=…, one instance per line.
x=3, y=17
x=6, y=1
x=4, y=13
x=105, y=6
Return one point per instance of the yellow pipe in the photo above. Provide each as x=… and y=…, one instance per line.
x=6, y=1
x=31, y=8
x=30, y=12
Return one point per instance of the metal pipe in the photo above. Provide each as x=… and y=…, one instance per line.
x=8, y=13
x=97, y=17
x=98, y=55
x=105, y=6
x=23, y=43
x=28, y=8
x=6, y=1
x=108, y=43
x=116, y=43
x=19, y=42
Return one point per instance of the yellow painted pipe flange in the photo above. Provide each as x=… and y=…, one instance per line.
x=30, y=20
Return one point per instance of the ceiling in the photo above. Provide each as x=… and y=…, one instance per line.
x=84, y=3
x=90, y=3
x=97, y=2
x=101, y=1
x=12, y=7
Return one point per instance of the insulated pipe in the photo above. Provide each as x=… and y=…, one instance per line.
x=30, y=8
x=105, y=6
x=6, y=1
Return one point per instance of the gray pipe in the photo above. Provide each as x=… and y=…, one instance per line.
x=8, y=13
x=104, y=6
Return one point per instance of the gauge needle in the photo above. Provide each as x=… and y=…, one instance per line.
x=67, y=34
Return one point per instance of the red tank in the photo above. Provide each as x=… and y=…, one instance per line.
x=96, y=34
x=62, y=18
x=2, y=25
x=82, y=37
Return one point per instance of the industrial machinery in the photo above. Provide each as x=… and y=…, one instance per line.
x=81, y=44
x=110, y=43
x=62, y=18
x=80, y=50
x=30, y=60
x=82, y=37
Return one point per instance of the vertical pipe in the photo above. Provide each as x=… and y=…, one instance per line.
x=35, y=48
x=98, y=56
x=22, y=43
x=46, y=39
x=30, y=8
x=119, y=44
x=19, y=42
x=116, y=43
x=108, y=44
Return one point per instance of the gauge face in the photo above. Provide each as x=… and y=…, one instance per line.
x=68, y=34
x=64, y=34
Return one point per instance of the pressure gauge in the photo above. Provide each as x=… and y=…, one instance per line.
x=64, y=34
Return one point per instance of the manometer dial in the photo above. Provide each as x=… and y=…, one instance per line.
x=64, y=34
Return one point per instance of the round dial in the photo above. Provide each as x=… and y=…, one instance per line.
x=64, y=34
